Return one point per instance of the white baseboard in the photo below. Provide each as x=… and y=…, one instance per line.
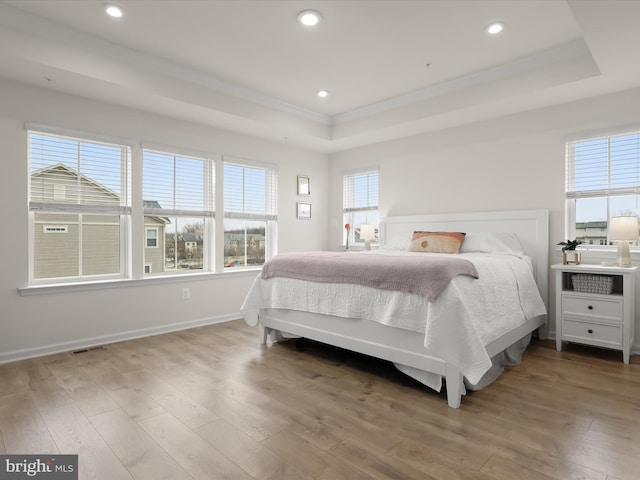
x=27, y=353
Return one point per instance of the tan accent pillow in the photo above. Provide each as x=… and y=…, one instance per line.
x=436, y=242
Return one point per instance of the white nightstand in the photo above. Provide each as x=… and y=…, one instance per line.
x=604, y=319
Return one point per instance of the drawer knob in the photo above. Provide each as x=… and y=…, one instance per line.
x=590, y=330
x=590, y=307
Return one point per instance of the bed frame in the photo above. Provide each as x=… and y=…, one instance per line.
x=405, y=347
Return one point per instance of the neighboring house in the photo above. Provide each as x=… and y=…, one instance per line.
x=171, y=250
x=193, y=249
x=232, y=242
x=592, y=233
x=186, y=248
x=155, y=238
x=56, y=236
x=191, y=242
x=234, y=247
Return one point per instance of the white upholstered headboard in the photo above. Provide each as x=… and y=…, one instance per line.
x=531, y=227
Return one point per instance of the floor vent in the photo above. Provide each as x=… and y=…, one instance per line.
x=85, y=350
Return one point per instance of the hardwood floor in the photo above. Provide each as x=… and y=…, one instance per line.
x=211, y=403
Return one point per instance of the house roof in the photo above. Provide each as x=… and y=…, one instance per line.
x=60, y=169
x=151, y=204
x=155, y=204
x=392, y=67
x=602, y=224
x=191, y=237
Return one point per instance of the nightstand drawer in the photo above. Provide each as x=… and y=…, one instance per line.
x=591, y=333
x=592, y=307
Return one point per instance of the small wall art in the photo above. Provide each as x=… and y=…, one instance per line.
x=303, y=210
x=304, y=187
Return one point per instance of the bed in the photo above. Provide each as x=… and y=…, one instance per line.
x=466, y=336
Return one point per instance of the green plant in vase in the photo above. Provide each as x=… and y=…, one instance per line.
x=569, y=254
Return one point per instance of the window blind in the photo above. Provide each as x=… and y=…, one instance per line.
x=178, y=185
x=250, y=192
x=73, y=175
x=602, y=167
x=360, y=191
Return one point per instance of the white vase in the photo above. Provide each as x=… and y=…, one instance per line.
x=570, y=256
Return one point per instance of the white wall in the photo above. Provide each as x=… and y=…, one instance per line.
x=32, y=325
x=514, y=162
x=510, y=163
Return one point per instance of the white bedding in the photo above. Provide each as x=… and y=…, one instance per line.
x=457, y=326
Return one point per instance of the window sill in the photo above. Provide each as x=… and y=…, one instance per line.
x=127, y=283
x=600, y=253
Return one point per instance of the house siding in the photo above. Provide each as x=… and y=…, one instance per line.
x=154, y=256
x=57, y=253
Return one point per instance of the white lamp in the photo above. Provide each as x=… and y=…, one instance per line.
x=367, y=233
x=623, y=230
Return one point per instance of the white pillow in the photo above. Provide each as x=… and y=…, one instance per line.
x=397, y=243
x=491, y=242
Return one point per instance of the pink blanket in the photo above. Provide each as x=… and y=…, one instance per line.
x=426, y=275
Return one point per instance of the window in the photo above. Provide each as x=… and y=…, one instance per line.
x=178, y=201
x=360, y=203
x=250, y=213
x=152, y=237
x=81, y=227
x=602, y=181
x=79, y=208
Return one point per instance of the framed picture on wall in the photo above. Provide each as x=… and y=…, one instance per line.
x=303, y=210
x=303, y=185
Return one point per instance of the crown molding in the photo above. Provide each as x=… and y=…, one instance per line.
x=26, y=22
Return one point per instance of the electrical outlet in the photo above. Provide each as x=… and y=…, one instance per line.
x=186, y=293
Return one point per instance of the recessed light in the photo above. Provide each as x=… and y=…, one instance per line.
x=113, y=11
x=323, y=93
x=495, y=28
x=309, y=18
